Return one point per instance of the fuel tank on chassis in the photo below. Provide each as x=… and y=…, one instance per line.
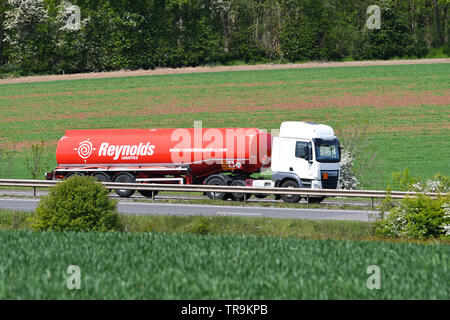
x=203, y=149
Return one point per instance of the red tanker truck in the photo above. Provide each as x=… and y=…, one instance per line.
x=211, y=156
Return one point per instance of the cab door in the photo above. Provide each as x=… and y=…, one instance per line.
x=303, y=166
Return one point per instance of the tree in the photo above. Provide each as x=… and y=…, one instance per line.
x=440, y=20
x=7, y=157
x=29, y=36
x=2, y=32
x=359, y=156
x=35, y=161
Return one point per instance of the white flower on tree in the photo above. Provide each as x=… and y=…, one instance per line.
x=22, y=24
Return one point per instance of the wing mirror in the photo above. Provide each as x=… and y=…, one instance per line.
x=308, y=155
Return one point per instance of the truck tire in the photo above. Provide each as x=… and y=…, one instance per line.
x=74, y=174
x=290, y=198
x=240, y=196
x=260, y=195
x=215, y=181
x=102, y=177
x=148, y=193
x=124, y=178
x=315, y=200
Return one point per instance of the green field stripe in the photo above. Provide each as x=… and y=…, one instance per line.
x=159, y=266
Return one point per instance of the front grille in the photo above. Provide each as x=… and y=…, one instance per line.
x=332, y=181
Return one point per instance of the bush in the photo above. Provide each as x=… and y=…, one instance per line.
x=446, y=48
x=403, y=181
x=418, y=218
x=439, y=183
x=78, y=204
x=422, y=217
x=200, y=225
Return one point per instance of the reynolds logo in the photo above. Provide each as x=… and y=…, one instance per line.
x=132, y=151
x=84, y=149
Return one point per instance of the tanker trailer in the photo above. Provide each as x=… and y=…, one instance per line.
x=211, y=156
x=304, y=155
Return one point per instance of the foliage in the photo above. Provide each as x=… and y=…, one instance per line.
x=173, y=33
x=403, y=181
x=417, y=217
x=347, y=179
x=308, y=32
x=221, y=225
x=35, y=161
x=356, y=144
x=78, y=204
x=7, y=157
x=400, y=35
x=440, y=184
x=200, y=225
x=28, y=32
x=420, y=217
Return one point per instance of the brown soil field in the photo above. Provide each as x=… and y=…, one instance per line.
x=164, y=71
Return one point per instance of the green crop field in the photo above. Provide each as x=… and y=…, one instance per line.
x=179, y=266
x=407, y=106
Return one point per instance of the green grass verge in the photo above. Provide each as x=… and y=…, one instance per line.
x=299, y=228
x=183, y=266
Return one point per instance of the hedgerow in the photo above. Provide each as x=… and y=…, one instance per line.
x=35, y=35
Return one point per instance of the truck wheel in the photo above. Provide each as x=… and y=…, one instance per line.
x=315, y=200
x=102, y=177
x=290, y=198
x=240, y=196
x=74, y=174
x=124, y=178
x=148, y=193
x=260, y=195
x=216, y=195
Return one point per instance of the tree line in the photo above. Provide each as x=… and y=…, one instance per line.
x=37, y=36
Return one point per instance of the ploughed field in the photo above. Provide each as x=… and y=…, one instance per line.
x=183, y=266
x=408, y=108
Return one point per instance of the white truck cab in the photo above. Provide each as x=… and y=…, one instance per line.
x=305, y=155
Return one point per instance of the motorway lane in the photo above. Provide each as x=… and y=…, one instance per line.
x=148, y=208
x=335, y=201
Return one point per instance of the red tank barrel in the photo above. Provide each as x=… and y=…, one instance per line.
x=203, y=149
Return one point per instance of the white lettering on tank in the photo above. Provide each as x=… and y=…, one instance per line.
x=126, y=150
x=151, y=150
x=117, y=151
x=133, y=150
x=102, y=150
x=111, y=150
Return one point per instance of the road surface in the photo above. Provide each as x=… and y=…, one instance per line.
x=148, y=208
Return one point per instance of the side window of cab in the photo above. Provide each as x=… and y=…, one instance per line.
x=301, y=149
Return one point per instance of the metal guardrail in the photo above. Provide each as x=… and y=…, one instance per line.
x=233, y=189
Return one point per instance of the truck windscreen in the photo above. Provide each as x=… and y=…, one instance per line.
x=327, y=150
